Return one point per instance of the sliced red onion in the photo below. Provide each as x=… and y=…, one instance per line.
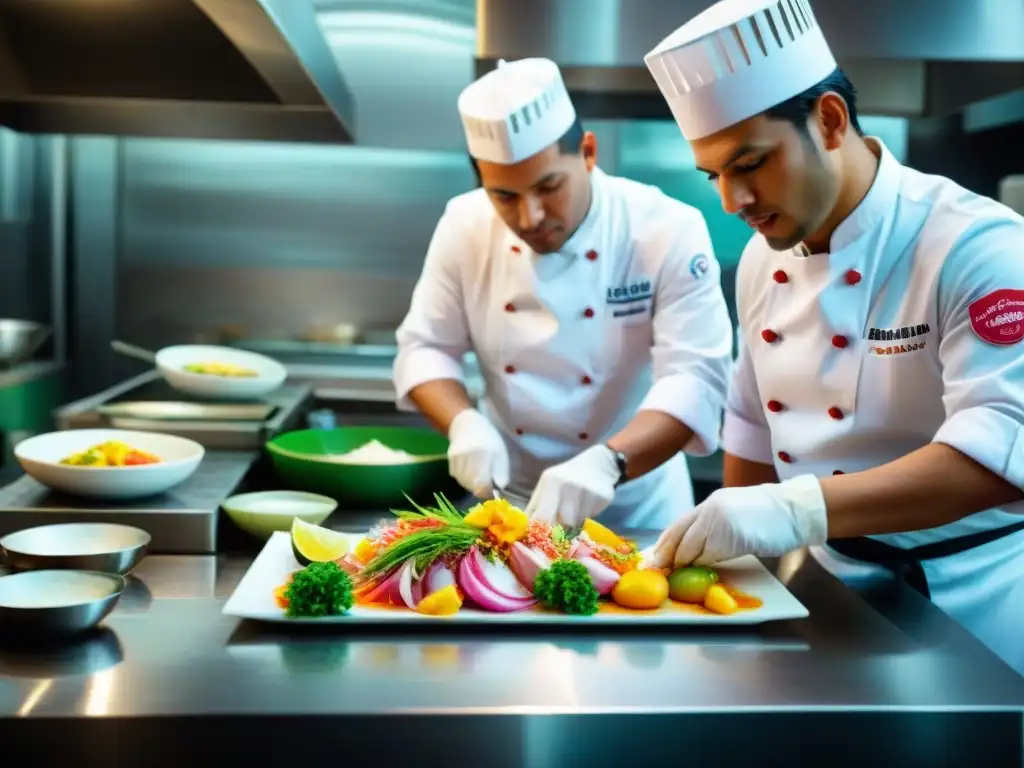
x=438, y=576
x=410, y=590
x=497, y=576
x=526, y=563
x=604, y=578
x=387, y=590
x=579, y=549
x=483, y=596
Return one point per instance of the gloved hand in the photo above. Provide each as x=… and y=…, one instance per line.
x=767, y=520
x=477, y=456
x=570, y=492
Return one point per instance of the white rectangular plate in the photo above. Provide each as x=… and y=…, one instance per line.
x=254, y=599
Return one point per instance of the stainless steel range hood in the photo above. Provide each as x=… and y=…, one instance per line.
x=909, y=58
x=237, y=69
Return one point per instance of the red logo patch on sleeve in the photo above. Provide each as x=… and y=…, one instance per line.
x=998, y=318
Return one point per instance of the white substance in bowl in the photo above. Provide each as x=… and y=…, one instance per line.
x=375, y=452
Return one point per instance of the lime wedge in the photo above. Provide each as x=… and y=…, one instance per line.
x=315, y=544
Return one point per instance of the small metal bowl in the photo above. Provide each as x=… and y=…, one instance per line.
x=53, y=604
x=103, y=547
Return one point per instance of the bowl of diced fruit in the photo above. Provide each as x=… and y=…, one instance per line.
x=109, y=463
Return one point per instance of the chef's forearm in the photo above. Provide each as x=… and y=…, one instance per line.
x=740, y=473
x=649, y=440
x=440, y=401
x=932, y=486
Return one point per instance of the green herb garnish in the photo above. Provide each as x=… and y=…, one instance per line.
x=425, y=547
x=566, y=586
x=445, y=511
x=321, y=589
x=560, y=539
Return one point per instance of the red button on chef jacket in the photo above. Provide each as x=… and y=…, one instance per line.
x=785, y=457
x=835, y=413
x=519, y=431
x=510, y=369
x=516, y=249
x=586, y=380
x=780, y=277
x=774, y=406
x=583, y=435
x=510, y=307
x=852, y=277
x=588, y=312
x=840, y=342
x=769, y=335
x=591, y=255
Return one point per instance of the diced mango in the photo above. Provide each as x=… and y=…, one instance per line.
x=719, y=600
x=600, y=534
x=365, y=550
x=444, y=602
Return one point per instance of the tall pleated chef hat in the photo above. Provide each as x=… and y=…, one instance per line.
x=515, y=111
x=737, y=59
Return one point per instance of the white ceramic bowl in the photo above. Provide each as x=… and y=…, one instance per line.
x=40, y=457
x=171, y=362
x=261, y=514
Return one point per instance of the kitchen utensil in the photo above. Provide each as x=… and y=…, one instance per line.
x=178, y=411
x=102, y=547
x=56, y=603
x=260, y=514
x=40, y=457
x=19, y=340
x=309, y=460
x=172, y=361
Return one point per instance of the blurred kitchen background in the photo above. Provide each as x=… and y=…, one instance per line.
x=154, y=189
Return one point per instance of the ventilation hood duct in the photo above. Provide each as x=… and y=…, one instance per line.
x=909, y=58
x=216, y=69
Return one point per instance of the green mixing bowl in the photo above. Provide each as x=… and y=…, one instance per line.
x=303, y=461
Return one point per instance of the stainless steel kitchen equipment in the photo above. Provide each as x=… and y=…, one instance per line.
x=146, y=402
x=182, y=521
x=19, y=340
x=902, y=66
x=102, y=547
x=219, y=69
x=54, y=604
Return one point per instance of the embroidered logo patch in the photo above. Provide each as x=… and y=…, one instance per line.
x=699, y=266
x=998, y=318
x=638, y=290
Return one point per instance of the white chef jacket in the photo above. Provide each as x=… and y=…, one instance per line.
x=628, y=315
x=908, y=332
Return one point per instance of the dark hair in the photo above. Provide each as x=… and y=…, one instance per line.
x=797, y=110
x=570, y=143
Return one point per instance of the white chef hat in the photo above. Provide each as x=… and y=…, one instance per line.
x=737, y=59
x=515, y=111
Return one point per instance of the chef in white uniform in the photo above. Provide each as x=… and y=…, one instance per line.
x=593, y=305
x=880, y=374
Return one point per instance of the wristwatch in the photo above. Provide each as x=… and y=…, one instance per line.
x=621, y=463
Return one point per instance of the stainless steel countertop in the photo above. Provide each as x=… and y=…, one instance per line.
x=878, y=651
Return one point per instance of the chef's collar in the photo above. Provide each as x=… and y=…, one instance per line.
x=584, y=238
x=876, y=205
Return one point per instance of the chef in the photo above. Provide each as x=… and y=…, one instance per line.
x=876, y=409
x=593, y=305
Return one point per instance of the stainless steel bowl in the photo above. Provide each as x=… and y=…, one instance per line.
x=103, y=547
x=52, y=604
x=19, y=339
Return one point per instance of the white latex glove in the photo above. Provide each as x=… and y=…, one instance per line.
x=477, y=456
x=765, y=520
x=570, y=492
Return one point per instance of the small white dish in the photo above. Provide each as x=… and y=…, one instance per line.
x=263, y=513
x=40, y=457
